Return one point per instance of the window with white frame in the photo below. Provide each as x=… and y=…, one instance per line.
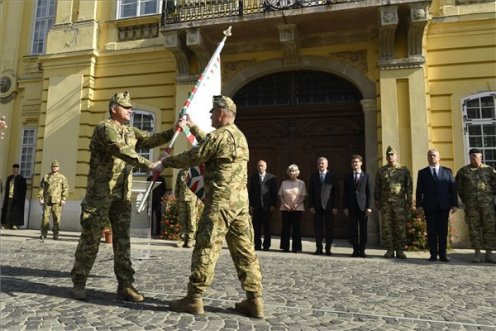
x=145, y=121
x=479, y=115
x=44, y=18
x=28, y=150
x=132, y=8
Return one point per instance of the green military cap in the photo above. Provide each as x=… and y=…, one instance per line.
x=55, y=163
x=223, y=102
x=122, y=98
x=391, y=150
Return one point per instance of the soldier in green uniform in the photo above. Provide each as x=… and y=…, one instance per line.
x=53, y=193
x=108, y=194
x=393, y=197
x=477, y=189
x=226, y=213
x=187, y=209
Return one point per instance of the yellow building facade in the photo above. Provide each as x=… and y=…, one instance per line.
x=311, y=78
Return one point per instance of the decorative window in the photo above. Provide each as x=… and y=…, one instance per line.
x=28, y=149
x=43, y=21
x=132, y=8
x=479, y=115
x=145, y=121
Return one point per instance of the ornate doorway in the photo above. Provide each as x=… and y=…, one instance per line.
x=297, y=116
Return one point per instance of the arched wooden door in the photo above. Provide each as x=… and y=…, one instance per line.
x=295, y=117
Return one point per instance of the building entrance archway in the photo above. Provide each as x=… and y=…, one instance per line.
x=297, y=116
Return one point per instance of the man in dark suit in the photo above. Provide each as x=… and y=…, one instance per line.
x=262, y=193
x=322, y=194
x=357, y=205
x=436, y=195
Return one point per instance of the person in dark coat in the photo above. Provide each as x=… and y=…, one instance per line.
x=14, y=200
x=437, y=197
x=322, y=201
x=157, y=194
x=357, y=205
x=262, y=193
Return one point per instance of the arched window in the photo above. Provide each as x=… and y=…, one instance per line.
x=479, y=117
x=145, y=121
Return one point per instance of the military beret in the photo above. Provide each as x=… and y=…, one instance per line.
x=55, y=163
x=391, y=150
x=223, y=102
x=475, y=151
x=122, y=99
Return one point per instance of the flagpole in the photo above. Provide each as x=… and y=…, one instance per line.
x=182, y=114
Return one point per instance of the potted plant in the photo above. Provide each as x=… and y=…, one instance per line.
x=107, y=232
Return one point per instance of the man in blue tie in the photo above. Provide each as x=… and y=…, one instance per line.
x=436, y=196
x=323, y=205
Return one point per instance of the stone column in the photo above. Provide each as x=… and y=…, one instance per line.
x=369, y=107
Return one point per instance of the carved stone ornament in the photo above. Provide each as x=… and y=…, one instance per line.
x=358, y=59
x=230, y=69
x=8, y=85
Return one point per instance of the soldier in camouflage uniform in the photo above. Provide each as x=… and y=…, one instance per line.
x=393, y=197
x=187, y=209
x=108, y=194
x=477, y=189
x=53, y=193
x=226, y=213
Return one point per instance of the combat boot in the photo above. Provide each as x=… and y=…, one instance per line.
x=478, y=257
x=191, y=305
x=490, y=257
x=129, y=293
x=400, y=254
x=55, y=236
x=389, y=254
x=43, y=236
x=251, y=307
x=78, y=292
x=180, y=243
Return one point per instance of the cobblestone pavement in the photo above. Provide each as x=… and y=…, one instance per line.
x=302, y=291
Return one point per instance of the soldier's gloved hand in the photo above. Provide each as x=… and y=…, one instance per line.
x=41, y=201
x=62, y=202
x=156, y=166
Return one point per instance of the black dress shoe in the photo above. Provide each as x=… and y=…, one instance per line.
x=362, y=254
x=444, y=259
x=355, y=254
x=432, y=259
x=265, y=249
x=318, y=252
x=328, y=253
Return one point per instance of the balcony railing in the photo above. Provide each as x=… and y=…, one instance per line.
x=178, y=11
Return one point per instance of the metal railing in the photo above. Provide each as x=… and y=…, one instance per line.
x=178, y=11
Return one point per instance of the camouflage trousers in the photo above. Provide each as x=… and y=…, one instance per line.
x=188, y=213
x=394, y=218
x=92, y=223
x=481, y=225
x=235, y=226
x=54, y=210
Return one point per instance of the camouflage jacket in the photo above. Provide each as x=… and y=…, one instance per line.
x=113, y=156
x=182, y=191
x=54, y=188
x=393, y=184
x=476, y=185
x=225, y=154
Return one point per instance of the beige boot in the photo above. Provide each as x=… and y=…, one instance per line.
x=490, y=257
x=78, y=292
x=389, y=254
x=400, y=254
x=129, y=293
x=478, y=257
x=192, y=305
x=251, y=307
